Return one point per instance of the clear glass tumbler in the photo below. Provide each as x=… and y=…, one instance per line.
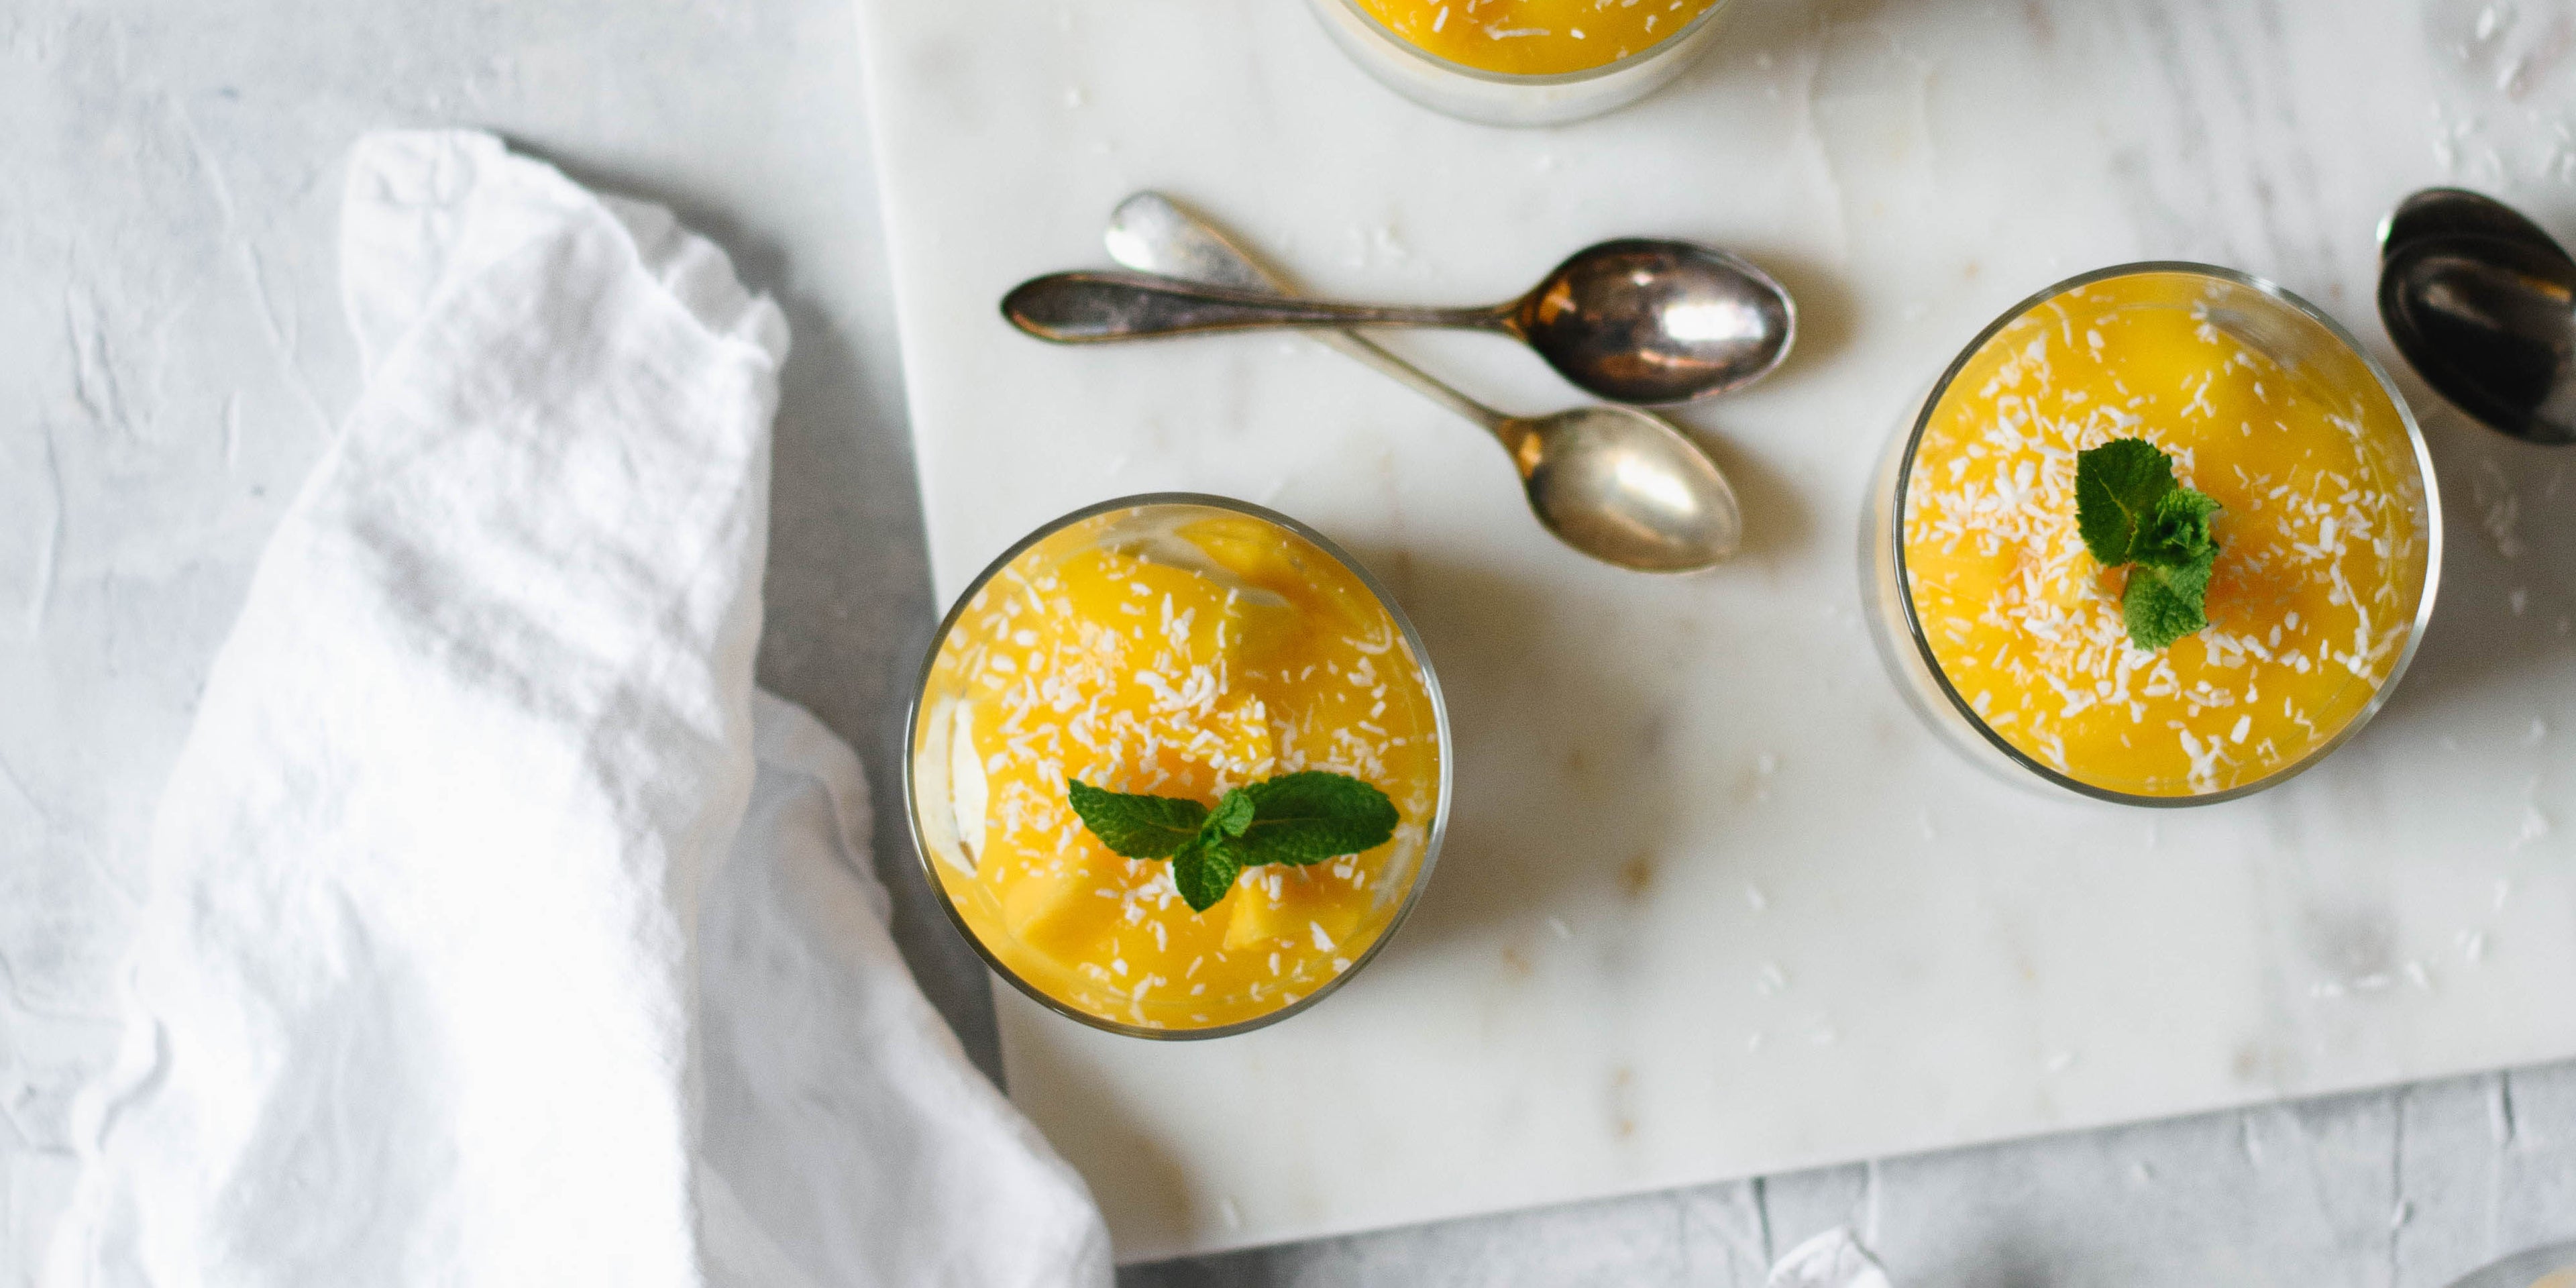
x=1509, y=98
x=1098, y=648
x=2008, y=639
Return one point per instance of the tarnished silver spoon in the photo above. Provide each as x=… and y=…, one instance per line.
x=2483, y=305
x=1634, y=321
x=1621, y=485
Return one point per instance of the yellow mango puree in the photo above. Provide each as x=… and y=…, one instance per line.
x=1179, y=660
x=1534, y=37
x=2322, y=551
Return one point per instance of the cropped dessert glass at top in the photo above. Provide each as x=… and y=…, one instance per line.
x=1176, y=645
x=2007, y=633
x=1522, y=62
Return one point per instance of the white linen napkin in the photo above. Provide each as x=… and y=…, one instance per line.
x=419, y=998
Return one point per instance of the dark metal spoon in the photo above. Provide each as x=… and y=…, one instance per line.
x=1634, y=321
x=2483, y=304
x=2457, y=212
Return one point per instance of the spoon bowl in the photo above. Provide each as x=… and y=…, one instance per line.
x=1626, y=489
x=2483, y=304
x=1658, y=322
x=1623, y=486
x=2458, y=212
x=1634, y=321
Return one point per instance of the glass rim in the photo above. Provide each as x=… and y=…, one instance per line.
x=1378, y=27
x=2522, y=1268
x=1432, y=837
x=2388, y=388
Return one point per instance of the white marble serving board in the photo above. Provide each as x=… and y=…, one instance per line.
x=1713, y=903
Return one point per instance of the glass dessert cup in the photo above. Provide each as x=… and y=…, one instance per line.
x=1171, y=644
x=2006, y=636
x=1533, y=93
x=2548, y=1267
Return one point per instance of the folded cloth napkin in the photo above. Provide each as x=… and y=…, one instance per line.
x=500, y=933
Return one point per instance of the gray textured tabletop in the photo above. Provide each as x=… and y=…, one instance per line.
x=168, y=186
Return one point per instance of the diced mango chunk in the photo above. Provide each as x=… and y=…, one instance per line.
x=1058, y=910
x=1307, y=905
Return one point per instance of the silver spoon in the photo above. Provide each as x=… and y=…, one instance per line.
x=1635, y=321
x=1621, y=485
x=2483, y=304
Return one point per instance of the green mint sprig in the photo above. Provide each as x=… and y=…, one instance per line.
x=2130, y=510
x=1296, y=819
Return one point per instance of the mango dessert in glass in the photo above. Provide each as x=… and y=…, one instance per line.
x=1178, y=767
x=2162, y=534
x=1522, y=62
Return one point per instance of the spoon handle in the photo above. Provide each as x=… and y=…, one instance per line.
x=1149, y=233
x=1415, y=378
x=1089, y=308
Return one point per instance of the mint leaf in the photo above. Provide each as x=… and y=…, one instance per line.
x=1233, y=814
x=2117, y=486
x=1203, y=872
x=1137, y=827
x=2129, y=510
x=1295, y=818
x=2177, y=533
x=1312, y=816
x=2162, y=605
